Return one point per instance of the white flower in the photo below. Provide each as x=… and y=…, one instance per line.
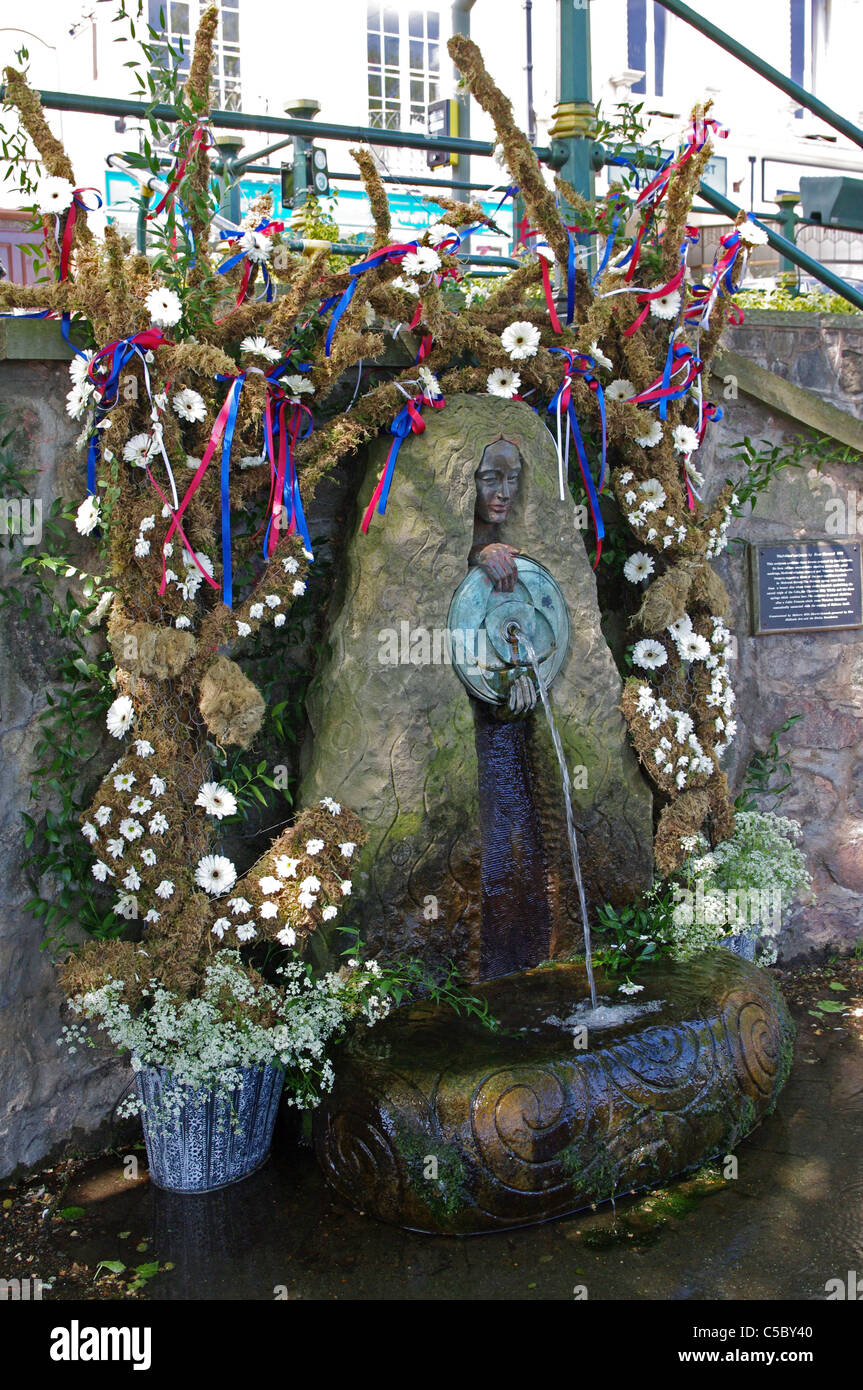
x=347, y=849
x=126, y=906
x=297, y=385
x=520, y=340
x=216, y=800
x=115, y=848
x=666, y=306
x=243, y=630
x=306, y=900
x=256, y=611
x=132, y=881
x=751, y=234
x=290, y=565
x=139, y=805
x=629, y=988
x=285, y=867
x=215, y=874
x=157, y=785
x=329, y=913
x=314, y=846
x=619, y=390
x=503, y=382
x=148, y=857
x=120, y=716
x=87, y=516
x=142, y=548
x=182, y=621
x=269, y=884
x=239, y=906
x=649, y=654
x=652, y=437
x=269, y=910
x=245, y=931
x=89, y=832
x=164, y=308
x=400, y=283
x=259, y=347
x=165, y=889
x=346, y=887
x=131, y=829
x=332, y=806
x=256, y=246
x=272, y=600
x=189, y=405
x=438, y=232
x=54, y=195
x=279, y=620
x=430, y=384
x=192, y=462
x=654, y=494
x=693, y=647
x=77, y=401
x=311, y=884
x=138, y=450
x=287, y=936
x=102, y=815
x=298, y=588
x=220, y=926
x=158, y=824
x=685, y=439
x=600, y=358
x=421, y=262
x=638, y=567
x=100, y=871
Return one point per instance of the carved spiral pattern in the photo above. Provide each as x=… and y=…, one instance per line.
x=756, y=1042
x=522, y=1118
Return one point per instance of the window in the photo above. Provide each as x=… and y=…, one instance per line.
x=403, y=66
x=177, y=21
x=645, y=45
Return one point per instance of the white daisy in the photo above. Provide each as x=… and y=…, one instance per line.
x=140, y=805
x=259, y=347
x=89, y=832
x=347, y=849
x=120, y=716
x=619, y=390
x=285, y=867
x=131, y=829
x=290, y=565
x=164, y=308
x=142, y=548
x=654, y=494
x=666, y=306
x=189, y=405
x=652, y=437
x=54, y=195
x=215, y=874
x=272, y=600
x=312, y=884
x=693, y=647
x=100, y=871
x=148, y=857
x=243, y=630
x=685, y=439
x=246, y=931
x=158, y=824
x=423, y=261
x=269, y=884
x=638, y=567
x=126, y=906
x=216, y=800
x=165, y=889
x=298, y=588
x=298, y=386
x=102, y=815
x=520, y=340
x=157, y=785
x=132, y=880
x=503, y=382
x=287, y=936
x=256, y=612
x=649, y=654
x=115, y=848
x=87, y=516
x=220, y=926
x=239, y=906
x=400, y=283
x=268, y=910
x=138, y=450
x=182, y=622
x=600, y=358
x=333, y=807
x=314, y=847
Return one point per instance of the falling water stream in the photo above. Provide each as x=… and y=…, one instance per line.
x=516, y=634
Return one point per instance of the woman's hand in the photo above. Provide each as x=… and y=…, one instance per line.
x=498, y=561
x=522, y=696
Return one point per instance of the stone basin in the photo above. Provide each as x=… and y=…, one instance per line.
x=438, y=1124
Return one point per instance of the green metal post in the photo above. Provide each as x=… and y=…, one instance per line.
x=229, y=147
x=787, y=202
x=571, y=143
x=461, y=169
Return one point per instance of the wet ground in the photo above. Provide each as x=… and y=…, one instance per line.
x=789, y=1221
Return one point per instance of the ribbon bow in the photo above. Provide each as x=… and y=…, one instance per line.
x=264, y=228
x=287, y=421
x=77, y=205
x=394, y=252
x=104, y=373
x=408, y=421
x=579, y=364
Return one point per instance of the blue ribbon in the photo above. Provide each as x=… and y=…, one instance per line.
x=359, y=268
x=587, y=476
x=609, y=247
x=570, y=278
x=290, y=483
x=401, y=427
x=227, y=440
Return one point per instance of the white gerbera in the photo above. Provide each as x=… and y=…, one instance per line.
x=189, y=405
x=120, y=716
x=685, y=439
x=333, y=807
x=503, y=382
x=314, y=846
x=751, y=234
x=654, y=494
x=298, y=385
x=54, y=195
x=298, y=588
x=423, y=261
x=256, y=246
x=259, y=347
x=216, y=800
x=619, y=390
x=215, y=874
x=269, y=884
x=438, y=232
x=286, y=867
x=77, y=400
x=649, y=654
x=666, y=306
x=693, y=647
x=429, y=382
x=165, y=889
x=347, y=849
x=246, y=931
x=87, y=516
x=138, y=450
x=600, y=358
x=268, y=910
x=638, y=567
x=520, y=340
x=652, y=437
x=164, y=308
x=329, y=913
x=100, y=871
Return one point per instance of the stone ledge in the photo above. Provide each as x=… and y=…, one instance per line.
x=778, y=394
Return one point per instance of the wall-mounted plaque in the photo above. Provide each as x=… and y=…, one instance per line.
x=806, y=586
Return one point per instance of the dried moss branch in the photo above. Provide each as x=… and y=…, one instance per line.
x=377, y=194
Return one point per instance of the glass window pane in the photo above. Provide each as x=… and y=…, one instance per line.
x=374, y=85
x=374, y=16
x=391, y=89
x=433, y=23
x=415, y=24
x=391, y=21
x=433, y=57
x=417, y=90
x=391, y=52
x=373, y=48
x=417, y=56
x=231, y=65
x=434, y=91
x=155, y=9
x=180, y=19
x=230, y=26
x=375, y=118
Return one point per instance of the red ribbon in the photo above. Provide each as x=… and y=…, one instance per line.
x=215, y=436
x=69, y=229
x=199, y=134
x=645, y=297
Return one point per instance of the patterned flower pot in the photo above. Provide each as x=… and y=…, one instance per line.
x=208, y=1140
x=743, y=943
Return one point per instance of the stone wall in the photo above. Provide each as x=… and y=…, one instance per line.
x=814, y=365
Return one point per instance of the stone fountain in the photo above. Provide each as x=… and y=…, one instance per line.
x=497, y=811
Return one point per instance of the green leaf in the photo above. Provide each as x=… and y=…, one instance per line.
x=113, y=1267
x=72, y=1213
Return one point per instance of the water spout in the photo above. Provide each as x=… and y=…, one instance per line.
x=515, y=634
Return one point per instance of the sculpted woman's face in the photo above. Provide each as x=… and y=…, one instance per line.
x=497, y=480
